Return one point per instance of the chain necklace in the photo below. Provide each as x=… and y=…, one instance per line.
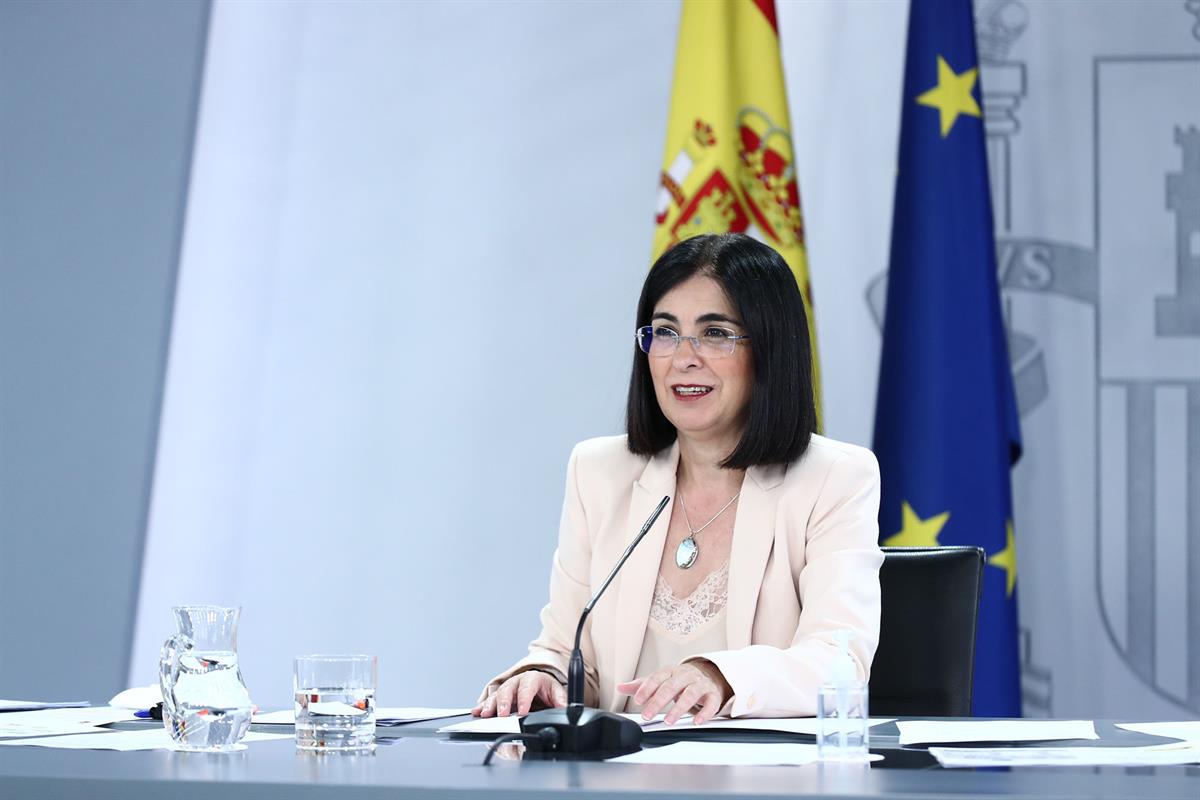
x=688, y=551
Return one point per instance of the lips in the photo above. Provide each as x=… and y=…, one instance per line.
x=690, y=391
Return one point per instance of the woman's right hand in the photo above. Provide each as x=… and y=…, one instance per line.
x=517, y=695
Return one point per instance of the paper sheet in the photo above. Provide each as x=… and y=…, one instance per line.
x=729, y=754
x=1154, y=755
x=139, y=698
x=735, y=754
x=1188, y=731
x=156, y=739
x=58, y=721
x=724, y=754
x=512, y=724
x=993, y=730
x=401, y=716
x=383, y=715
x=489, y=725
x=806, y=725
x=35, y=705
x=498, y=725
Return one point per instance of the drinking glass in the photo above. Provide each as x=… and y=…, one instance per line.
x=335, y=703
x=843, y=727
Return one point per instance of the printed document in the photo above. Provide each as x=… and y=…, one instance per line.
x=57, y=721
x=497, y=725
x=927, y=731
x=36, y=705
x=723, y=754
x=1154, y=755
x=154, y=739
x=383, y=715
x=803, y=725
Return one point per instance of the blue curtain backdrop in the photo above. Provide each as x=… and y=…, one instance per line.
x=946, y=427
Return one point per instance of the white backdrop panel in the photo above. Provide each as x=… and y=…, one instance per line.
x=414, y=242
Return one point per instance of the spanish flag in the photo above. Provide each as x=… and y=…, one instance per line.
x=729, y=163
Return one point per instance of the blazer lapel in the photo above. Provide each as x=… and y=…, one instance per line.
x=753, y=537
x=635, y=583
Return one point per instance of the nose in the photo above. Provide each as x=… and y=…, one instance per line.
x=687, y=354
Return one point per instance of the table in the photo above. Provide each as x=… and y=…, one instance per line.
x=414, y=761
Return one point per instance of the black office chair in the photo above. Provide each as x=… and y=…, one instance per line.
x=926, y=651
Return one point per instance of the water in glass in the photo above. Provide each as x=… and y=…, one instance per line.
x=335, y=719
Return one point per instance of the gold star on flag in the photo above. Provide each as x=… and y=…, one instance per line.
x=1006, y=560
x=917, y=532
x=952, y=95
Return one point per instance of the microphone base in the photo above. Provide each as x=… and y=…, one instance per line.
x=586, y=731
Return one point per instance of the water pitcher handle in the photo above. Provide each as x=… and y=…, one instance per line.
x=168, y=670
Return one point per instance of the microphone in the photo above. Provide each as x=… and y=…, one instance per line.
x=576, y=729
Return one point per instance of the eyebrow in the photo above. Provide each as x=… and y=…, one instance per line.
x=714, y=317
x=711, y=316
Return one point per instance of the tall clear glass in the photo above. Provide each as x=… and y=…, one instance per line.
x=843, y=726
x=335, y=703
x=206, y=706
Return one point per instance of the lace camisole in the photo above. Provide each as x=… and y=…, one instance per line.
x=683, y=627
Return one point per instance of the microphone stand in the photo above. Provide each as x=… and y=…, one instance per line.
x=576, y=729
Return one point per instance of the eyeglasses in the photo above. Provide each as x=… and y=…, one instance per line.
x=661, y=342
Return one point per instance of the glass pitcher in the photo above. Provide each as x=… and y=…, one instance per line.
x=206, y=706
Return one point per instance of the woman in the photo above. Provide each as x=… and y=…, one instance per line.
x=730, y=603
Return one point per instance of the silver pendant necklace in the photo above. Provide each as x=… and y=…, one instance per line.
x=688, y=551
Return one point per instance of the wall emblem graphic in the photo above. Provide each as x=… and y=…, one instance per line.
x=1141, y=283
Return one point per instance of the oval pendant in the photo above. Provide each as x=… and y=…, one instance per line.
x=686, y=554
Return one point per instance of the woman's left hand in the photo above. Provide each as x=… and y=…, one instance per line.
x=695, y=683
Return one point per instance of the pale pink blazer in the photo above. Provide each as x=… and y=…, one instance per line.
x=805, y=563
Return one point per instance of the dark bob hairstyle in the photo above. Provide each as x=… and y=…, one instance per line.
x=782, y=416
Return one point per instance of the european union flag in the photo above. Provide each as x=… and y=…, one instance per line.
x=946, y=427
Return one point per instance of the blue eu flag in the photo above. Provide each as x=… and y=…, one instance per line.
x=946, y=427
